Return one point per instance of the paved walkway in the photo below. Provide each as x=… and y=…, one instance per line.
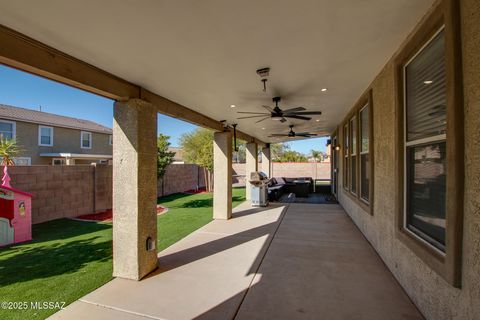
x=288, y=261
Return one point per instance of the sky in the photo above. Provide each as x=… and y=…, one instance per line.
x=21, y=89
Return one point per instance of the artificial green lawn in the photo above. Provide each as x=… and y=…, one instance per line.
x=68, y=259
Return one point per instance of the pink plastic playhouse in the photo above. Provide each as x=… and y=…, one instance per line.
x=15, y=213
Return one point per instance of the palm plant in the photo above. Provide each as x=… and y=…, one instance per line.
x=316, y=155
x=8, y=150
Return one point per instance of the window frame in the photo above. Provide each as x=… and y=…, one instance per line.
x=414, y=143
x=14, y=127
x=353, y=153
x=110, y=140
x=346, y=156
x=90, y=140
x=365, y=100
x=62, y=160
x=28, y=159
x=447, y=264
x=361, y=153
x=40, y=127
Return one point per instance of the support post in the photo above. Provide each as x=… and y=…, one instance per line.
x=222, y=175
x=251, y=165
x=134, y=189
x=267, y=161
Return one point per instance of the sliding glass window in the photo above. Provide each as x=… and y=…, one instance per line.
x=365, y=172
x=353, y=155
x=425, y=143
x=346, y=157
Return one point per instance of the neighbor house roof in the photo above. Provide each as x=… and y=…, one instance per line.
x=50, y=119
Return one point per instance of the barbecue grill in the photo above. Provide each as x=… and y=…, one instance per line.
x=259, y=190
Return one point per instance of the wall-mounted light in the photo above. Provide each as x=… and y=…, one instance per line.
x=337, y=148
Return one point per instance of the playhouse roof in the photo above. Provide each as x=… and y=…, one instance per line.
x=17, y=191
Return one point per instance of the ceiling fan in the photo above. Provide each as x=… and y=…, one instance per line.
x=279, y=114
x=293, y=134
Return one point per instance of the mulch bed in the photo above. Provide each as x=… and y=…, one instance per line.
x=106, y=216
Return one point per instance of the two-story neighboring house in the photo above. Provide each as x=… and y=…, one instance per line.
x=47, y=138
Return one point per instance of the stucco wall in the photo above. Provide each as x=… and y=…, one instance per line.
x=64, y=140
x=435, y=298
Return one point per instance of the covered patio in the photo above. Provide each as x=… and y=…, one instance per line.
x=394, y=81
x=283, y=262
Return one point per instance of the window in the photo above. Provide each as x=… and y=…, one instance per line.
x=353, y=155
x=7, y=129
x=358, y=146
x=425, y=143
x=22, y=161
x=45, y=136
x=364, y=154
x=58, y=161
x=86, y=140
x=346, y=158
x=110, y=140
x=431, y=143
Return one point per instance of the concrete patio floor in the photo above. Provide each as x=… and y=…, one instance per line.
x=287, y=261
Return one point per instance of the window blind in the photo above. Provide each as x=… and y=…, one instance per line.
x=426, y=91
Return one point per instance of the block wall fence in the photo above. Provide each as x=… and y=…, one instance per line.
x=70, y=191
x=319, y=170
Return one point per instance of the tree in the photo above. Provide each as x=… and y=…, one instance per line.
x=292, y=156
x=277, y=150
x=8, y=150
x=197, y=148
x=317, y=155
x=164, y=157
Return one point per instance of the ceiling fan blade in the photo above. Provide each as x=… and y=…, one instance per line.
x=268, y=108
x=283, y=120
x=297, y=117
x=294, y=110
x=248, y=112
x=307, y=135
x=308, y=113
x=302, y=133
x=263, y=119
x=252, y=117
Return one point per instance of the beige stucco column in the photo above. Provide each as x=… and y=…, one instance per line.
x=134, y=189
x=251, y=165
x=267, y=161
x=222, y=175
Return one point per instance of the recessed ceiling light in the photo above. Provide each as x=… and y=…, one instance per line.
x=263, y=128
x=318, y=120
x=232, y=106
x=324, y=89
x=428, y=82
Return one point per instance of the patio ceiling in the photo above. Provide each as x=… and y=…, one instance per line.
x=203, y=54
